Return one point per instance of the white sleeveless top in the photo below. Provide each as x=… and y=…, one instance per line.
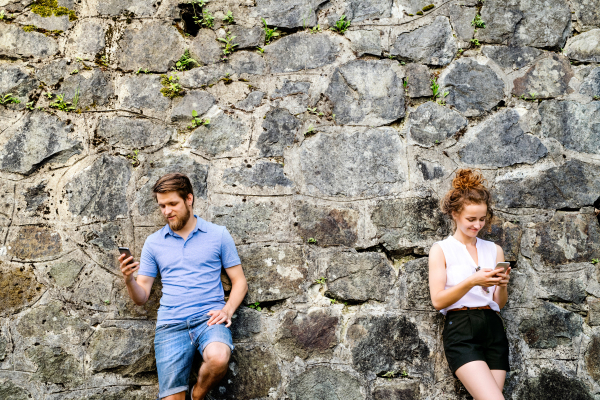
x=460, y=265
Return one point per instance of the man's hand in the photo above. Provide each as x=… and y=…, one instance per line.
x=128, y=269
x=218, y=317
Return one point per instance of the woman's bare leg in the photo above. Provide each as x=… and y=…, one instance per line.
x=479, y=381
x=499, y=377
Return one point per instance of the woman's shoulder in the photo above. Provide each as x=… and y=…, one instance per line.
x=488, y=244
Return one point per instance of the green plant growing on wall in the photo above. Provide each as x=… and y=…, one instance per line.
x=171, y=87
x=196, y=122
x=321, y=281
x=269, y=33
x=429, y=7
x=62, y=105
x=47, y=8
x=228, y=18
x=6, y=17
x=200, y=4
x=435, y=88
x=478, y=22
x=145, y=71
x=405, y=82
x=9, y=99
x=75, y=71
x=260, y=50
x=185, y=62
x=255, y=306
x=389, y=375
x=208, y=20
x=134, y=158
x=333, y=301
x=595, y=261
x=311, y=240
x=29, y=105
x=475, y=42
x=341, y=25
x=316, y=29
x=228, y=46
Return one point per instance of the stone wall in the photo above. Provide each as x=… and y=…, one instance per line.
x=325, y=156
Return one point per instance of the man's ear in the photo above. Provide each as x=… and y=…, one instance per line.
x=190, y=199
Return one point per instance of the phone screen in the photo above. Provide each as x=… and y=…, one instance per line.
x=504, y=265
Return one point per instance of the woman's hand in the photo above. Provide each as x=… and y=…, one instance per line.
x=505, y=277
x=486, y=277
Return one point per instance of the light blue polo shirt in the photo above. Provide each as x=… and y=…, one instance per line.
x=190, y=269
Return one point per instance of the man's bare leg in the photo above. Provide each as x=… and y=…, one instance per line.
x=214, y=367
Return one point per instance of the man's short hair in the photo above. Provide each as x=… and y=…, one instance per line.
x=175, y=182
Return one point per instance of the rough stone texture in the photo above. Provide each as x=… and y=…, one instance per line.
x=289, y=13
x=253, y=100
x=262, y=174
x=591, y=85
x=366, y=164
x=126, y=346
x=550, y=326
x=584, y=47
x=328, y=226
x=353, y=276
x=333, y=227
x=131, y=133
x=367, y=93
x=432, y=44
x=571, y=185
x=99, y=191
x=419, y=80
x=510, y=57
x=279, y=131
x=15, y=42
x=365, y=42
x=36, y=140
x=534, y=23
x=94, y=89
x=572, y=124
x=223, y=134
x=502, y=131
x=194, y=100
x=307, y=335
x=432, y=123
x=549, y=77
x=407, y=223
x=273, y=273
x=587, y=13
x=165, y=165
x=472, y=88
x=19, y=288
x=359, y=10
x=155, y=46
x=317, y=51
x=324, y=383
x=205, y=48
x=382, y=343
x=253, y=372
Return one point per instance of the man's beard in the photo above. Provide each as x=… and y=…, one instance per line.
x=178, y=223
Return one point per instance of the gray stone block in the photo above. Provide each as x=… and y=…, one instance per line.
x=572, y=124
x=38, y=139
x=100, y=191
x=300, y=51
x=472, y=88
x=431, y=44
x=94, y=88
x=359, y=10
x=509, y=57
x=353, y=276
x=587, y=13
x=461, y=18
x=418, y=79
x=155, y=46
x=247, y=38
x=52, y=72
x=88, y=38
x=365, y=42
x=141, y=93
x=253, y=100
x=536, y=23
x=574, y=184
x=280, y=128
x=131, y=133
x=288, y=13
x=500, y=142
x=194, y=100
x=354, y=164
x=247, y=62
x=205, y=48
x=262, y=174
x=15, y=42
x=584, y=47
x=396, y=389
x=138, y=8
x=550, y=326
x=367, y=92
x=15, y=79
x=223, y=134
x=432, y=123
x=322, y=382
x=547, y=78
x=328, y=225
x=290, y=88
x=591, y=84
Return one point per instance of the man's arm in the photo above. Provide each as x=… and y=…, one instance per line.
x=139, y=290
x=239, y=288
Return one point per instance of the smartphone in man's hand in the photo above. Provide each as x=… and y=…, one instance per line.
x=125, y=250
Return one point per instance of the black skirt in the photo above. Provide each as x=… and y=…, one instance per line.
x=475, y=335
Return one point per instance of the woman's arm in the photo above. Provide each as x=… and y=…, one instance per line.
x=501, y=292
x=441, y=297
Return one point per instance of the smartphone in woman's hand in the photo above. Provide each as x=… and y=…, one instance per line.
x=504, y=265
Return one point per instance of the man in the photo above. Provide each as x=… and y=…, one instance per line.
x=189, y=253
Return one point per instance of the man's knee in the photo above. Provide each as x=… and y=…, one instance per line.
x=217, y=355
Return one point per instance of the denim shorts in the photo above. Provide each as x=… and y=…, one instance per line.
x=175, y=346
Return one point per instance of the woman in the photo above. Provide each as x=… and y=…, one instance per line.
x=464, y=283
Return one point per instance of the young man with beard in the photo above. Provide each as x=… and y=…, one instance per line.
x=189, y=253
